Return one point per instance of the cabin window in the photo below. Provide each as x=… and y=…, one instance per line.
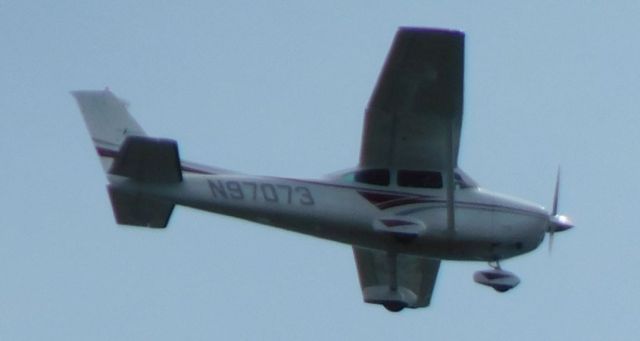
x=422, y=179
x=379, y=177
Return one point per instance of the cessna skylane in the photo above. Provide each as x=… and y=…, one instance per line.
x=403, y=209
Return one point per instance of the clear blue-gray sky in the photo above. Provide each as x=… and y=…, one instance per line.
x=279, y=88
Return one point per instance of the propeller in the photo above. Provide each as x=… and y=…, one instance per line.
x=557, y=222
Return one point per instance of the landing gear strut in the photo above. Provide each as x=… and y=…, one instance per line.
x=495, y=264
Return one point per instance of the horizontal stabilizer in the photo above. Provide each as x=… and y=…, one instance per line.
x=139, y=209
x=148, y=160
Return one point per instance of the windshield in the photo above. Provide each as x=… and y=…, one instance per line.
x=463, y=180
x=380, y=177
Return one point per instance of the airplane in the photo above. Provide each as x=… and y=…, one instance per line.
x=403, y=209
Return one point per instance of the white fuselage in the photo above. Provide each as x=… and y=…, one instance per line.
x=487, y=227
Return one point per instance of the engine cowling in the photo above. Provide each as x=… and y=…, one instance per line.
x=500, y=280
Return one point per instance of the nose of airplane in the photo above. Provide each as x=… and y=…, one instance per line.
x=559, y=223
x=524, y=206
x=522, y=224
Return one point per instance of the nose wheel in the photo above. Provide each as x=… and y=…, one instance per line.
x=496, y=278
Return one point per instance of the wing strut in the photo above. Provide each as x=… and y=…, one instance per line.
x=392, y=263
x=450, y=178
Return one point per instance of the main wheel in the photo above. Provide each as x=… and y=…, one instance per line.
x=394, y=307
x=501, y=288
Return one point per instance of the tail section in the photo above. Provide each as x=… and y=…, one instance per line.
x=110, y=124
x=125, y=150
x=108, y=121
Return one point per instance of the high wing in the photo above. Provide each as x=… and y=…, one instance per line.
x=414, y=116
x=395, y=281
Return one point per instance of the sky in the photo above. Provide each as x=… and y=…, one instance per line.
x=279, y=88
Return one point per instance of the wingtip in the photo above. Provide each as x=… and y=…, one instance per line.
x=81, y=91
x=432, y=30
x=77, y=94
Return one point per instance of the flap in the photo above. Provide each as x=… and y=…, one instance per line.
x=415, y=277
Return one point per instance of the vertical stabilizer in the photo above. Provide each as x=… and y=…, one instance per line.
x=108, y=121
